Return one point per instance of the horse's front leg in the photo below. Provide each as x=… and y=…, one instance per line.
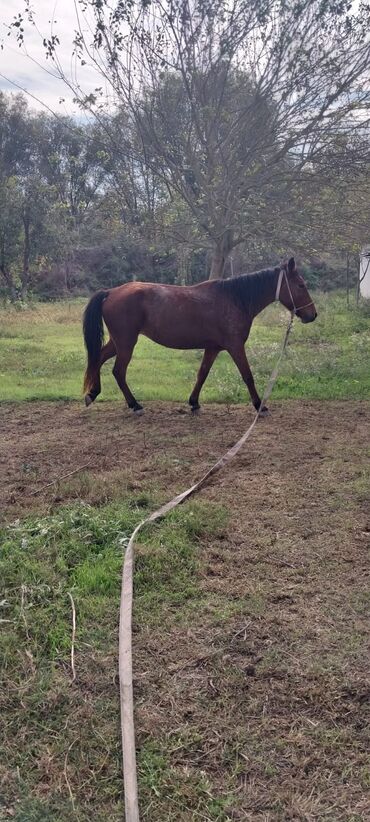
x=209, y=357
x=240, y=360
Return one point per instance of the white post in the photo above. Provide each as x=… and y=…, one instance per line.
x=364, y=273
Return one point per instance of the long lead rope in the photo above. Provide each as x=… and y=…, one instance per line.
x=125, y=622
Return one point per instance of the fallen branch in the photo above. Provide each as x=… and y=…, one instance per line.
x=66, y=777
x=73, y=637
x=22, y=611
x=59, y=479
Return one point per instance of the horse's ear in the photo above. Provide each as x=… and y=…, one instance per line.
x=291, y=265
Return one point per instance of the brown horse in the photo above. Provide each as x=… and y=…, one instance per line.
x=215, y=315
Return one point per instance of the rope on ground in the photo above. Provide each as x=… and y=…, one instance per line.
x=125, y=623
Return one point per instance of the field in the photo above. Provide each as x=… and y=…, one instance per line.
x=42, y=357
x=251, y=603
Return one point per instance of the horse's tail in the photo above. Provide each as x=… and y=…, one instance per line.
x=93, y=331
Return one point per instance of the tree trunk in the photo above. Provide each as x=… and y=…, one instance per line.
x=218, y=264
x=220, y=255
x=26, y=254
x=7, y=275
x=183, y=267
x=24, y=289
x=9, y=284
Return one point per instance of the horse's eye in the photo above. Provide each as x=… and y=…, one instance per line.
x=300, y=285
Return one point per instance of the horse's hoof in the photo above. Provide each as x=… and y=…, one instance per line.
x=195, y=409
x=264, y=412
x=88, y=400
x=138, y=410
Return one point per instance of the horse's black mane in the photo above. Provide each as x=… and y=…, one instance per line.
x=247, y=289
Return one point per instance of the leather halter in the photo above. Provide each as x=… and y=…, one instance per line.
x=283, y=273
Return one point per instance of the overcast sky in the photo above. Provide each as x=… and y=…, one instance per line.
x=21, y=69
x=18, y=66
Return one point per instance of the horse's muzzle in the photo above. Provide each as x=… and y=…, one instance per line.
x=310, y=319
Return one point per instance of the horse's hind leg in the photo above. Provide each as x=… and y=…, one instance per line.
x=209, y=357
x=119, y=372
x=107, y=352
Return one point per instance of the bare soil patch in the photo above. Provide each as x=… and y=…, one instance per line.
x=167, y=447
x=265, y=689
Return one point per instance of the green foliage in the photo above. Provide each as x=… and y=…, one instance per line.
x=50, y=177
x=81, y=208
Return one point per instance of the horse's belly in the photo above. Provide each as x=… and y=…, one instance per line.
x=186, y=323
x=177, y=339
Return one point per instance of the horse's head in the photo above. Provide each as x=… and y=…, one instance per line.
x=293, y=293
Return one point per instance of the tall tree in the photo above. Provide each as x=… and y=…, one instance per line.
x=50, y=178
x=233, y=101
x=69, y=159
x=15, y=153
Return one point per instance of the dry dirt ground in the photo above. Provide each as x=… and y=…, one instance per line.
x=273, y=686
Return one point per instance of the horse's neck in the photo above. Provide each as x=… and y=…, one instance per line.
x=265, y=298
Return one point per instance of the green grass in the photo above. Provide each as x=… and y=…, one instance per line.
x=46, y=721
x=42, y=357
